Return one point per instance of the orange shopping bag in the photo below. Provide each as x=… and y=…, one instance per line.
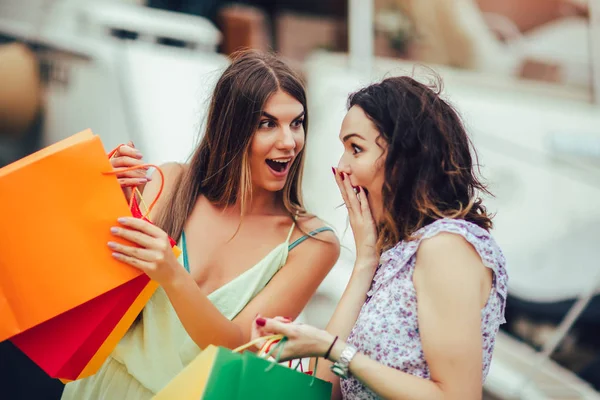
x=128, y=315
x=57, y=208
x=83, y=300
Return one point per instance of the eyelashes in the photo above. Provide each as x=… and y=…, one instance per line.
x=356, y=149
x=267, y=123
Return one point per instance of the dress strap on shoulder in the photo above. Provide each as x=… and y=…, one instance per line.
x=186, y=263
x=311, y=234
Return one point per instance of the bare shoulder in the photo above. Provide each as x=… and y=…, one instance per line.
x=449, y=246
x=171, y=172
x=447, y=257
x=325, y=241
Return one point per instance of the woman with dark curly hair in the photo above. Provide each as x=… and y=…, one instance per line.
x=421, y=311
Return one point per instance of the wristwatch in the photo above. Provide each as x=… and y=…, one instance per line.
x=341, y=367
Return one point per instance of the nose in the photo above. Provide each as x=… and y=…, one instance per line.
x=286, y=140
x=343, y=165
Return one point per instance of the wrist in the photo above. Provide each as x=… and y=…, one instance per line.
x=177, y=278
x=336, y=350
x=324, y=343
x=366, y=264
x=363, y=272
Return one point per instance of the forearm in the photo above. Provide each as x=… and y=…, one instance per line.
x=201, y=319
x=389, y=383
x=345, y=315
x=351, y=302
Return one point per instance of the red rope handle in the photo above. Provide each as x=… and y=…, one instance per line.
x=134, y=168
x=113, y=151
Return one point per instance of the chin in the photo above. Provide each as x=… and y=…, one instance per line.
x=273, y=186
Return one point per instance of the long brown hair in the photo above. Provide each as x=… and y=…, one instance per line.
x=219, y=168
x=429, y=171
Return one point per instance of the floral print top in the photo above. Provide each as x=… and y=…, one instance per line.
x=387, y=328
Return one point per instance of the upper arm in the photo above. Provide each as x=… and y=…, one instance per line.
x=292, y=287
x=171, y=173
x=448, y=277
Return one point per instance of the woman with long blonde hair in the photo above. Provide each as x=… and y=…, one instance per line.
x=236, y=210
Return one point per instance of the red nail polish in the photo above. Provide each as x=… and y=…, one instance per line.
x=261, y=321
x=333, y=170
x=289, y=318
x=358, y=189
x=342, y=175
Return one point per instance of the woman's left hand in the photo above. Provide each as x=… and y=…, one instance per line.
x=302, y=340
x=154, y=256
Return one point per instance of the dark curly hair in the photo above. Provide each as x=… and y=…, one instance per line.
x=429, y=169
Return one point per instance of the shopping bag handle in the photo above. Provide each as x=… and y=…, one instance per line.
x=280, y=343
x=134, y=168
x=257, y=341
x=267, y=346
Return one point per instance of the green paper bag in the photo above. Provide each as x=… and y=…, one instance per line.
x=219, y=373
x=262, y=379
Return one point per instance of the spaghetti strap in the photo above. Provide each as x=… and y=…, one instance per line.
x=186, y=263
x=311, y=234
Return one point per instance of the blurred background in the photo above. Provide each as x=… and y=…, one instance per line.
x=524, y=75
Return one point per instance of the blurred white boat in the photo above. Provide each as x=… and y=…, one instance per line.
x=526, y=134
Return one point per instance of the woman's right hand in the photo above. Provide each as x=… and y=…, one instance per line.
x=128, y=156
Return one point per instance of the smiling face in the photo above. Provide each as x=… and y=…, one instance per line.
x=364, y=156
x=278, y=140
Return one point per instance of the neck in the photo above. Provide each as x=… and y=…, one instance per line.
x=263, y=202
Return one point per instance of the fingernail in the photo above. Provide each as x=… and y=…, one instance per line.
x=143, y=180
x=261, y=321
x=333, y=170
x=342, y=175
x=112, y=245
x=289, y=318
x=114, y=230
x=138, y=153
x=122, y=220
x=357, y=189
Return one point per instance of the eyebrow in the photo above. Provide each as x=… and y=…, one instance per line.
x=351, y=135
x=266, y=114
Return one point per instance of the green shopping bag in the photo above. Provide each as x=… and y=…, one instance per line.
x=262, y=379
x=219, y=373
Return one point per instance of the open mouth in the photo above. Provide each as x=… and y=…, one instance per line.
x=279, y=167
